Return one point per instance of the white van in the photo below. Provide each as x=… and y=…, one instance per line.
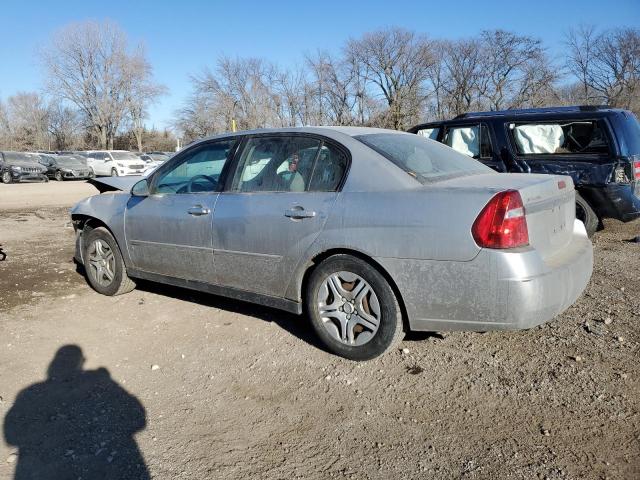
x=114, y=163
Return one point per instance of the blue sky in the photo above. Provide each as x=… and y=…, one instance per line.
x=181, y=38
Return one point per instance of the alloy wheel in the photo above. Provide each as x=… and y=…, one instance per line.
x=102, y=262
x=349, y=308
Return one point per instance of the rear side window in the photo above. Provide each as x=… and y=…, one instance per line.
x=425, y=161
x=570, y=137
x=328, y=170
x=632, y=134
x=471, y=140
x=289, y=164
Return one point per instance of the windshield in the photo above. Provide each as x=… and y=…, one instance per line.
x=425, y=160
x=158, y=157
x=17, y=157
x=68, y=161
x=124, y=156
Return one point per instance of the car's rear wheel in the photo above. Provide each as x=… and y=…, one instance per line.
x=6, y=177
x=114, y=172
x=104, y=266
x=59, y=176
x=352, y=308
x=585, y=213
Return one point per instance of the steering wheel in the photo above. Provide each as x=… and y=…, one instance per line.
x=192, y=181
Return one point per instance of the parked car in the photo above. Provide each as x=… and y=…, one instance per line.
x=153, y=159
x=21, y=167
x=369, y=231
x=66, y=167
x=598, y=147
x=114, y=162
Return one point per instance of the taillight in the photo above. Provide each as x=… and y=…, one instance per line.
x=636, y=170
x=501, y=223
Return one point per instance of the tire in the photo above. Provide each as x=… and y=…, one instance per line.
x=353, y=340
x=120, y=282
x=58, y=176
x=6, y=177
x=114, y=172
x=585, y=213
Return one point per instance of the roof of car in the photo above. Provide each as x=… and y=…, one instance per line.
x=541, y=111
x=330, y=131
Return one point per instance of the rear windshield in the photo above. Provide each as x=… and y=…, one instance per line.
x=425, y=160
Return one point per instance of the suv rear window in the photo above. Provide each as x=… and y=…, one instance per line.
x=423, y=159
x=568, y=137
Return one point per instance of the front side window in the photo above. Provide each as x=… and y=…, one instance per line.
x=471, y=140
x=276, y=164
x=430, y=133
x=572, y=137
x=198, y=171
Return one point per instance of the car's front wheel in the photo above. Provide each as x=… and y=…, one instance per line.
x=352, y=308
x=114, y=172
x=6, y=177
x=103, y=263
x=59, y=176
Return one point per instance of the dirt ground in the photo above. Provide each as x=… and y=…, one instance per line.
x=180, y=385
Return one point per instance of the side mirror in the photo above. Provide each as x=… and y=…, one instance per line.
x=140, y=189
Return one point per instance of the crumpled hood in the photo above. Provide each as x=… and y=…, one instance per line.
x=114, y=184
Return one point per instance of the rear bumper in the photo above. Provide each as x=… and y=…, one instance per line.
x=497, y=290
x=619, y=201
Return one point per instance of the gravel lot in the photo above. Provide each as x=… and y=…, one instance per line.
x=178, y=384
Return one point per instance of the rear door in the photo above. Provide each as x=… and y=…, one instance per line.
x=282, y=192
x=476, y=141
x=169, y=232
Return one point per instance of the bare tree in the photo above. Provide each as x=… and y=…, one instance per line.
x=89, y=65
x=607, y=65
x=64, y=126
x=396, y=62
x=27, y=120
x=506, y=68
x=141, y=93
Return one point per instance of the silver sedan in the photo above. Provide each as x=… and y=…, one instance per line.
x=369, y=232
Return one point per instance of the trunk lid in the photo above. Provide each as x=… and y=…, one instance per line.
x=549, y=204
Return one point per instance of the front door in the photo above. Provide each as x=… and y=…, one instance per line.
x=169, y=232
x=282, y=192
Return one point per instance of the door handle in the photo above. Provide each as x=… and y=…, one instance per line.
x=198, y=210
x=299, y=212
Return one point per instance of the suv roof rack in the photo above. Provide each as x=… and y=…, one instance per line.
x=575, y=108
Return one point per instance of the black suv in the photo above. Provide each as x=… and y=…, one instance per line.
x=599, y=147
x=21, y=167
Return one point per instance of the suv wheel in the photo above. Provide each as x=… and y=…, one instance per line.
x=352, y=308
x=114, y=172
x=6, y=177
x=104, y=267
x=59, y=176
x=585, y=213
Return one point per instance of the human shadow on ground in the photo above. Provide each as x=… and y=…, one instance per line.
x=76, y=424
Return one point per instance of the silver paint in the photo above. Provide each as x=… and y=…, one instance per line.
x=418, y=235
